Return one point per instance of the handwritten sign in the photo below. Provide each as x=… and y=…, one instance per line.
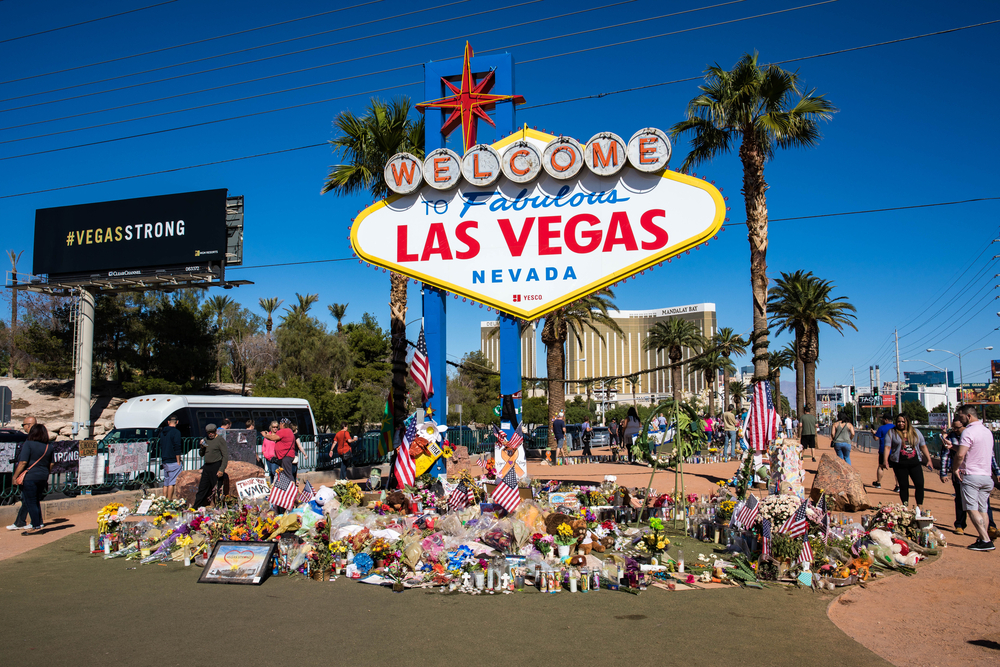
x=127, y=457
x=91, y=470
x=88, y=448
x=249, y=489
x=144, y=506
x=7, y=450
x=567, y=500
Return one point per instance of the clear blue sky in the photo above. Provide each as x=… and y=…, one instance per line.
x=912, y=129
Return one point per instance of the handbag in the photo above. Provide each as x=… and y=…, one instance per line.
x=20, y=478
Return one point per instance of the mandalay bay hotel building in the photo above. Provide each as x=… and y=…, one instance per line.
x=614, y=355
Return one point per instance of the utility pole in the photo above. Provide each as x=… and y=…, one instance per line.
x=899, y=395
x=854, y=412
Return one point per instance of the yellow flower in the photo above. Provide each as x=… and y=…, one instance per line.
x=564, y=530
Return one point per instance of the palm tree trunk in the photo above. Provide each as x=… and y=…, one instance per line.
x=777, y=390
x=555, y=363
x=810, y=385
x=675, y=373
x=397, y=311
x=800, y=376
x=755, y=199
x=710, y=383
x=725, y=388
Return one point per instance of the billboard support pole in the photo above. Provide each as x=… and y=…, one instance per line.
x=84, y=354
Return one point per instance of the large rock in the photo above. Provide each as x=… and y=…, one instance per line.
x=236, y=471
x=842, y=484
x=460, y=461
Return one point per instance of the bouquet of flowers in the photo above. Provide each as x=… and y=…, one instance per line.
x=725, y=511
x=565, y=536
x=359, y=540
x=895, y=518
x=348, y=493
x=777, y=508
x=110, y=516
x=655, y=541
x=380, y=549
x=338, y=547
x=543, y=543
x=490, y=469
x=162, y=504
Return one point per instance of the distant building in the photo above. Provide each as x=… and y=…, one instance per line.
x=489, y=344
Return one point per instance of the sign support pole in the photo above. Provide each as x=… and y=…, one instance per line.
x=84, y=354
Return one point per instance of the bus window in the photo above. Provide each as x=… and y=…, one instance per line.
x=206, y=417
x=183, y=422
x=262, y=418
x=304, y=421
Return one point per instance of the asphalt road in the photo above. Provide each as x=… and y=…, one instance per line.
x=64, y=606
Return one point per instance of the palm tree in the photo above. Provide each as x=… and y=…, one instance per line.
x=710, y=363
x=764, y=109
x=270, y=305
x=366, y=143
x=585, y=313
x=218, y=305
x=14, y=258
x=632, y=380
x=304, y=304
x=738, y=392
x=783, y=358
x=729, y=343
x=801, y=302
x=673, y=335
x=338, y=310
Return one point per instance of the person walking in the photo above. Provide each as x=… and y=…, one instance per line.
x=843, y=435
x=213, y=449
x=35, y=463
x=807, y=431
x=730, y=427
x=788, y=426
x=559, y=433
x=586, y=436
x=972, y=469
x=907, y=455
x=342, y=444
x=21, y=520
x=631, y=427
x=170, y=455
x=880, y=434
x=613, y=439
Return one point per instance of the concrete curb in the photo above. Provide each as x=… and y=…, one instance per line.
x=81, y=504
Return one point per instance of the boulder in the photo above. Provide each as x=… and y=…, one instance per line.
x=842, y=484
x=236, y=471
x=461, y=461
x=56, y=426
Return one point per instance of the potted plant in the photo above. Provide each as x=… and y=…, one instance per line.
x=784, y=551
x=564, y=539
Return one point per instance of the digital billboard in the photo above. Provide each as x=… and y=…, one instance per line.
x=119, y=238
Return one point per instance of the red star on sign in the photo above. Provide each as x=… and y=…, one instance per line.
x=469, y=103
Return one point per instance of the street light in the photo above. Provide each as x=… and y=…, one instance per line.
x=947, y=394
x=961, y=377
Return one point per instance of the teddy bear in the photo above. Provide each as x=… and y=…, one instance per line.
x=556, y=519
x=900, y=552
x=397, y=500
x=591, y=542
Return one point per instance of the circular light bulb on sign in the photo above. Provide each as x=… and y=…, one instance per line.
x=649, y=149
x=605, y=154
x=521, y=162
x=563, y=158
x=481, y=165
x=442, y=169
x=403, y=173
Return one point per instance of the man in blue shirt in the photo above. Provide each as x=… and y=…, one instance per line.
x=559, y=433
x=882, y=431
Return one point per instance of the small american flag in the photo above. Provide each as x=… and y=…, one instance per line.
x=766, y=537
x=283, y=492
x=516, y=438
x=763, y=421
x=500, y=436
x=420, y=367
x=806, y=555
x=306, y=494
x=506, y=494
x=748, y=513
x=461, y=497
x=481, y=462
x=404, y=469
x=796, y=525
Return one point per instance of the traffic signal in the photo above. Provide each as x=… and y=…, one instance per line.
x=853, y=390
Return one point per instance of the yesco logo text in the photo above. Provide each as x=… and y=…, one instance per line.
x=122, y=233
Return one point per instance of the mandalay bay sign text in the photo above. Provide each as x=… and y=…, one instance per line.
x=527, y=248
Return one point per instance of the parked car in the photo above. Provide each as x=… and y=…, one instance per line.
x=601, y=436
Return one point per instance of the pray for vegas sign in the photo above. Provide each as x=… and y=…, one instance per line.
x=505, y=226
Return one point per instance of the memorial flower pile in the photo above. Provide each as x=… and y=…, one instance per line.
x=778, y=508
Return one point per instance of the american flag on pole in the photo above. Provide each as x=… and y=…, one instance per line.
x=420, y=367
x=506, y=494
x=748, y=513
x=404, y=469
x=763, y=421
x=766, y=537
x=806, y=555
x=460, y=497
x=797, y=524
x=283, y=492
x=481, y=462
x=516, y=438
x=307, y=493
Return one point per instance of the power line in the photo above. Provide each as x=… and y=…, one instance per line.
x=163, y=171
x=871, y=210
x=74, y=25
x=312, y=261
x=199, y=41
x=183, y=127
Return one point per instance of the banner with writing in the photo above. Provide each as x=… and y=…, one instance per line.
x=7, y=450
x=65, y=456
x=249, y=489
x=125, y=457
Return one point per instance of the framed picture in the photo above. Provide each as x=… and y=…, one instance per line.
x=238, y=563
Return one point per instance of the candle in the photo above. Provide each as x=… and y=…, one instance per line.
x=107, y=547
x=93, y=544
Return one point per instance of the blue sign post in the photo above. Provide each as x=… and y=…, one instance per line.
x=434, y=304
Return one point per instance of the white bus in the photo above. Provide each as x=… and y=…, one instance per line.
x=143, y=416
